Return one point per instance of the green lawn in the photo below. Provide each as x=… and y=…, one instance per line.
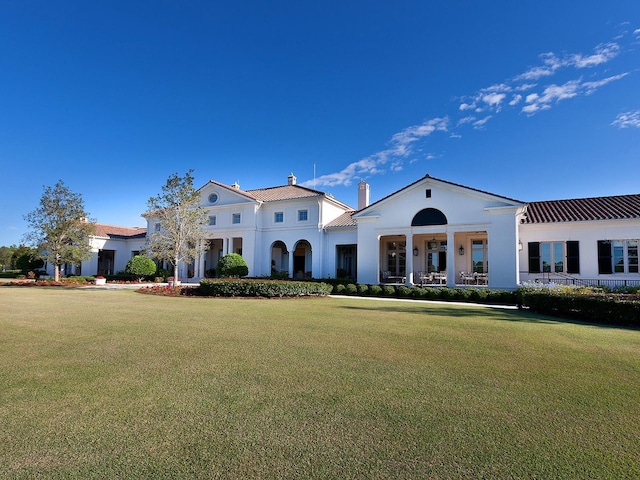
x=113, y=384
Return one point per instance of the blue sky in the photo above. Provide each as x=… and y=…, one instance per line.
x=530, y=100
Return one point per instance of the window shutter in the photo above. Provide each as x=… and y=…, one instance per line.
x=604, y=257
x=573, y=256
x=534, y=257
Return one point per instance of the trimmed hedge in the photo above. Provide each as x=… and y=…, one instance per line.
x=474, y=295
x=605, y=308
x=262, y=288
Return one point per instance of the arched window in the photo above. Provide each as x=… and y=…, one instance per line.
x=429, y=216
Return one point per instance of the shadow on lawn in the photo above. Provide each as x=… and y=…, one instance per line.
x=493, y=314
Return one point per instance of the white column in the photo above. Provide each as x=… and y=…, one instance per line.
x=290, y=263
x=409, y=259
x=452, y=249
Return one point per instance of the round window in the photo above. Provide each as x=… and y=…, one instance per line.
x=213, y=198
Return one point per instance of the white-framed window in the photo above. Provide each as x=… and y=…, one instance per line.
x=436, y=256
x=303, y=215
x=157, y=227
x=552, y=257
x=618, y=256
x=278, y=217
x=212, y=220
x=213, y=198
x=479, y=257
x=236, y=218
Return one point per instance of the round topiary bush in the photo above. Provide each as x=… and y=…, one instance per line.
x=363, y=289
x=375, y=290
x=351, y=289
x=232, y=265
x=389, y=291
x=140, y=266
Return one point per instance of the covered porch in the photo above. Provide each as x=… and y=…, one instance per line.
x=438, y=258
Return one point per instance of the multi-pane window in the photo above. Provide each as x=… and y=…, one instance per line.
x=303, y=215
x=235, y=218
x=618, y=256
x=278, y=217
x=397, y=258
x=436, y=258
x=212, y=220
x=554, y=257
x=479, y=259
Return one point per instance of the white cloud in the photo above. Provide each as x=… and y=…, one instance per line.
x=481, y=123
x=400, y=147
x=603, y=53
x=550, y=63
x=636, y=31
x=468, y=119
x=466, y=106
x=494, y=99
x=515, y=100
x=554, y=93
x=627, y=119
x=591, y=87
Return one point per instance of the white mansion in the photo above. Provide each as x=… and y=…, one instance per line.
x=430, y=232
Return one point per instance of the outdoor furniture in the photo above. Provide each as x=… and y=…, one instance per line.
x=482, y=279
x=439, y=278
x=388, y=278
x=423, y=278
x=467, y=278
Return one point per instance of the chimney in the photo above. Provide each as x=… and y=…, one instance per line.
x=291, y=179
x=236, y=185
x=363, y=195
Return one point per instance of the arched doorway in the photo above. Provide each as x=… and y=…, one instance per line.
x=302, y=260
x=279, y=259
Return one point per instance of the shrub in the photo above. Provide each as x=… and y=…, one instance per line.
x=375, y=291
x=140, y=266
x=351, y=289
x=262, y=288
x=232, y=265
x=389, y=291
x=404, y=291
x=612, y=309
x=338, y=289
x=363, y=289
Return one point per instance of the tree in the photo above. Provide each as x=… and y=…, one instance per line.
x=5, y=256
x=59, y=228
x=27, y=259
x=180, y=236
x=232, y=265
x=140, y=266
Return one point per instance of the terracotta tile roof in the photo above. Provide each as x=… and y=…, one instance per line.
x=113, y=231
x=285, y=192
x=584, y=209
x=344, y=220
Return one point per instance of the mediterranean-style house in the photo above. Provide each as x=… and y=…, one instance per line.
x=112, y=247
x=430, y=232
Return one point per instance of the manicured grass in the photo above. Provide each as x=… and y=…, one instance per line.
x=113, y=384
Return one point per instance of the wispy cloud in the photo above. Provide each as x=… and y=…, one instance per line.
x=627, y=119
x=400, y=147
x=529, y=92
